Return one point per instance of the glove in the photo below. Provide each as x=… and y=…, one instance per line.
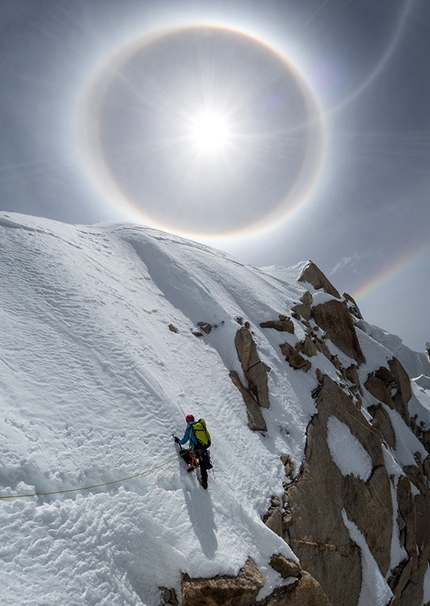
x=176, y=439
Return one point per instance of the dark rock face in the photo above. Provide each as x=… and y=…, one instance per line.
x=254, y=369
x=392, y=387
x=313, y=275
x=303, y=308
x=311, y=517
x=294, y=358
x=317, y=498
x=256, y=420
x=334, y=318
x=282, y=325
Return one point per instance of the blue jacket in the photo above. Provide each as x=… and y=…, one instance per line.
x=189, y=435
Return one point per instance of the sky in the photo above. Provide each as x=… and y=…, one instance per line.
x=277, y=131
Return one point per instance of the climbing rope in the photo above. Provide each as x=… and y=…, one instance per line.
x=82, y=488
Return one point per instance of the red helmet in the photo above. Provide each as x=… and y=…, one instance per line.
x=189, y=418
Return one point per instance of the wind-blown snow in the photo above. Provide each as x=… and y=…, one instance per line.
x=346, y=450
x=374, y=588
x=406, y=442
x=414, y=363
x=92, y=385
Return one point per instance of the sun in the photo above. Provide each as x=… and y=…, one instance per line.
x=210, y=132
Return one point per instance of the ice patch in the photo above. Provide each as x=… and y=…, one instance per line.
x=407, y=444
x=346, y=451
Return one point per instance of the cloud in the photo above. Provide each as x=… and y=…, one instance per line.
x=351, y=260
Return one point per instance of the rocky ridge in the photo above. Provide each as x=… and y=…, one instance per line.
x=320, y=502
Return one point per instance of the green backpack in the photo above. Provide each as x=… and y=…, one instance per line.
x=203, y=437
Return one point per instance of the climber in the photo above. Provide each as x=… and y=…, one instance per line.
x=198, y=454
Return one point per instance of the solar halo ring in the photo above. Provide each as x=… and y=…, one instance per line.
x=202, y=130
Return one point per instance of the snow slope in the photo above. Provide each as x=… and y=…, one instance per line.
x=92, y=385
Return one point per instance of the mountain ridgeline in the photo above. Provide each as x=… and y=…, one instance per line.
x=320, y=425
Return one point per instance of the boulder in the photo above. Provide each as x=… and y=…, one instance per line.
x=281, y=325
x=382, y=423
x=303, y=308
x=286, y=568
x=352, y=306
x=224, y=590
x=399, y=578
x=334, y=318
x=168, y=597
x=313, y=275
x=254, y=369
x=294, y=358
x=307, y=347
x=205, y=326
x=322, y=347
x=392, y=387
x=256, y=420
x=351, y=375
x=306, y=592
x=288, y=465
x=273, y=520
x=377, y=388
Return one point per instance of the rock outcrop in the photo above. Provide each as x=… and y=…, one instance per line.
x=224, y=590
x=323, y=501
x=242, y=590
x=294, y=358
x=313, y=275
x=305, y=592
x=392, y=387
x=284, y=324
x=334, y=318
x=256, y=420
x=286, y=568
x=317, y=498
x=303, y=309
x=352, y=306
x=254, y=369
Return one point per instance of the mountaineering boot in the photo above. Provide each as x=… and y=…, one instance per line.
x=194, y=462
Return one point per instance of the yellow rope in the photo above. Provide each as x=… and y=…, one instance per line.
x=43, y=494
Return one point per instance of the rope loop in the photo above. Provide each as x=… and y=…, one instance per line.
x=82, y=488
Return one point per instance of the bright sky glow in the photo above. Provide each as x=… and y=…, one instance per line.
x=204, y=130
x=210, y=132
